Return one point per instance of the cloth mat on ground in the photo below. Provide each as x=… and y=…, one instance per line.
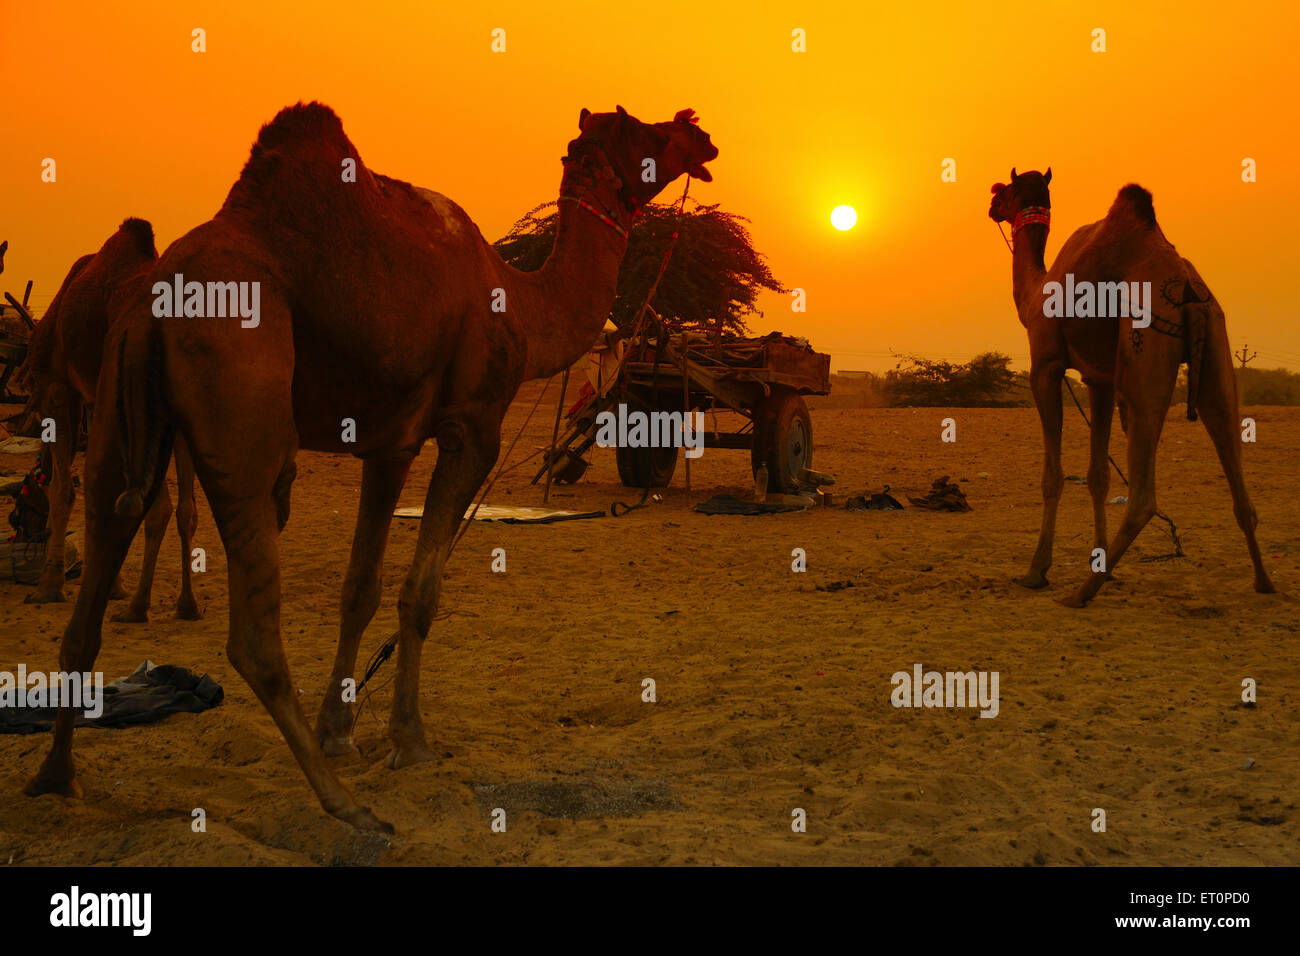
x=511, y=514
x=148, y=694
x=731, y=505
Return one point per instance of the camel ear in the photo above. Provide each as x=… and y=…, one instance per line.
x=583, y=117
x=622, y=113
x=1048, y=177
x=1013, y=174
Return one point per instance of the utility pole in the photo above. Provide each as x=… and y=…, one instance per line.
x=1243, y=357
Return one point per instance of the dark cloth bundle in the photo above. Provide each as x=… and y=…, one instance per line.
x=944, y=496
x=149, y=694
x=881, y=501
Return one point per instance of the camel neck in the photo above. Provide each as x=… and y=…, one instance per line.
x=568, y=300
x=1027, y=266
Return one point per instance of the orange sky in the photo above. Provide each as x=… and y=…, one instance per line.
x=140, y=125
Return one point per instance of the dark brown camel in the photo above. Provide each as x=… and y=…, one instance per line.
x=382, y=305
x=61, y=373
x=1119, y=359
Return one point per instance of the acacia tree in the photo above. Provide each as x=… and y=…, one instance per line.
x=713, y=278
x=984, y=381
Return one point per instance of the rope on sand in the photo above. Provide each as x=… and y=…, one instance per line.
x=1173, y=528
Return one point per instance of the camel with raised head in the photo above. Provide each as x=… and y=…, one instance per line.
x=61, y=373
x=385, y=317
x=1132, y=359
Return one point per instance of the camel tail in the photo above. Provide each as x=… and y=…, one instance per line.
x=1196, y=323
x=141, y=416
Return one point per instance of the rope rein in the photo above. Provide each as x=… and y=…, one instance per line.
x=1041, y=214
x=638, y=325
x=1173, y=528
x=386, y=650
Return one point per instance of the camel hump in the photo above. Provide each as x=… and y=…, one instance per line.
x=303, y=121
x=141, y=233
x=1135, y=201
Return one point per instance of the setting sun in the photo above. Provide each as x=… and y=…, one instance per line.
x=844, y=218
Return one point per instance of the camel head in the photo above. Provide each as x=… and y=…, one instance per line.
x=4, y=247
x=612, y=149
x=1025, y=191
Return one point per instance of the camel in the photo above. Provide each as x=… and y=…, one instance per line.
x=1121, y=360
x=385, y=317
x=60, y=374
x=4, y=247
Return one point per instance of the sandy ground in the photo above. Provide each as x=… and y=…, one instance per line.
x=773, y=688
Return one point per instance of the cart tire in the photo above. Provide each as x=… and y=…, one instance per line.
x=783, y=439
x=646, y=467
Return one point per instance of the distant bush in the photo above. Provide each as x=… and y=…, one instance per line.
x=1268, y=386
x=986, y=381
x=1255, y=386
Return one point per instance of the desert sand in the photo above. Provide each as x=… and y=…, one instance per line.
x=773, y=687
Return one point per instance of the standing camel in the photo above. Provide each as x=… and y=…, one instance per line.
x=61, y=373
x=1119, y=359
x=385, y=317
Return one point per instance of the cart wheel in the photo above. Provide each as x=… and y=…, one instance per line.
x=782, y=439
x=639, y=467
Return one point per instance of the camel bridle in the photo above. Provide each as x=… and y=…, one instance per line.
x=1029, y=214
x=590, y=147
x=1025, y=217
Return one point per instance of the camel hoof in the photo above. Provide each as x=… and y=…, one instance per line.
x=55, y=596
x=363, y=819
x=188, y=611
x=1074, y=601
x=1265, y=587
x=38, y=786
x=131, y=616
x=1035, y=582
x=407, y=755
x=341, y=746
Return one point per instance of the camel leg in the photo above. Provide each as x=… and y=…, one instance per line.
x=155, y=526
x=1146, y=391
x=1220, y=413
x=1101, y=401
x=108, y=538
x=381, y=484
x=1045, y=381
x=467, y=452
x=247, y=504
x=65, y=408
x=117, y=591
x=187, y=522
x=237, y=421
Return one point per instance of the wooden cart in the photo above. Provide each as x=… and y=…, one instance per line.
x=763, y=379
x=13, y=344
